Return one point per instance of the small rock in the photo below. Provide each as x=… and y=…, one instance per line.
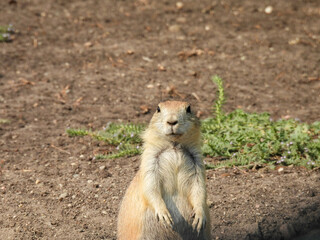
x=174, y=28
x=63, y=195
x=179, y=5
x=268, y=9
x=88, y=44
x=280, y=170
x=161, y=68
x=102, y=167
x=181, y=20
x=147, y=59
x=130, y=52
x=294, y=41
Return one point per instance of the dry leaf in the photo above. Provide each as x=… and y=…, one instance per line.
x=211, y=53
x=173, y=92
x=77, y=102
x=286, y=117
x=199, y=113
x=63, y=94
x=145, y=109
x=88, y=44
x=161, y=68
x=313, y=79
x=190, y=53
x=196, y=96
x=130, y=52
x=26, y=82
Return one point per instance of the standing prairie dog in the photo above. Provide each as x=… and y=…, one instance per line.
x=166, y=200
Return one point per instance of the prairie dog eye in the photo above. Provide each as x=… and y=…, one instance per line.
x=188, y=110
x=158, y=109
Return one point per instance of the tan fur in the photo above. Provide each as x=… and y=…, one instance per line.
x=167, y=198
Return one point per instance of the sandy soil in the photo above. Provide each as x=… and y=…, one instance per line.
x=85, y=63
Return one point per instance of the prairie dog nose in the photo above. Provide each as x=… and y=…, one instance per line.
x=172, y=122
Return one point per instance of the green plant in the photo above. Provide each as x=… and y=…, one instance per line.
x=4, y=121
x=5, y=33
x=237, y=138
x=241, y=138
x=124, y=137
x=220, y=101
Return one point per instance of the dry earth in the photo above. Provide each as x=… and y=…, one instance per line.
x=85, y=63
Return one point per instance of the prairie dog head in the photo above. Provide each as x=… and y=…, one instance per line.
x=174, y=121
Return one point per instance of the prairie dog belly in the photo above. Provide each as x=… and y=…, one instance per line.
x=177, y=168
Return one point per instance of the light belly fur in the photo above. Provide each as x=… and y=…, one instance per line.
x=175, y=168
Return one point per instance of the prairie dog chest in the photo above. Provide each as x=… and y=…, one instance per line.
x=176, y=166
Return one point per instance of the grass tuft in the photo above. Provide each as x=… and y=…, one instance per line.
x=4, y=121
x=243, y=138
x=220, y=101
x=6, y=33
x=124, y=137
x=237, y=138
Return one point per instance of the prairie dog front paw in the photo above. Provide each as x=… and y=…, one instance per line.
x=199, y=221
x=164, y=216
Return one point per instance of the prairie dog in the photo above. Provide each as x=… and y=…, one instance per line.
x=166, y=200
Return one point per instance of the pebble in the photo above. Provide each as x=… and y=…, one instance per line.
x=174, y=28
x=147, y=59
x=179, y=5
x=88, y=44
x=181, y=20
x=268, y=9
x=63, y=195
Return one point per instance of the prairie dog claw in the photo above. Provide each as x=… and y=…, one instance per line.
x=164, y=217
x=199, y=221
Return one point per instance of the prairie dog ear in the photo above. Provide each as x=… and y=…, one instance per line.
x=188, y=110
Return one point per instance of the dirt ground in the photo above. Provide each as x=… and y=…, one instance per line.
x=85, y=63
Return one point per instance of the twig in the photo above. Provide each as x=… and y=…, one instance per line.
x=60, y=149
x=240, y=170
x=196, y=96
x=310, y=79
